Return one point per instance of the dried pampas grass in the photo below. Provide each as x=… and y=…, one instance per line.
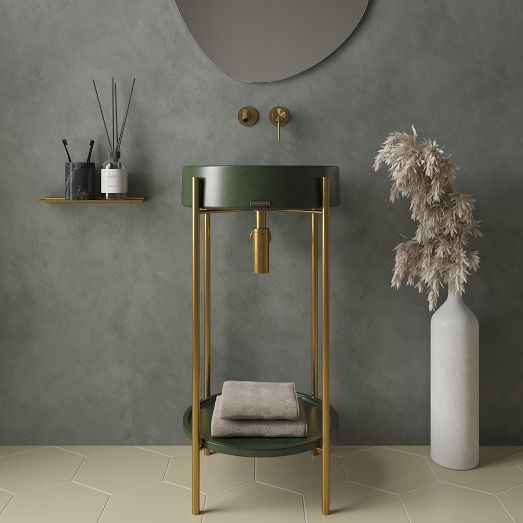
x=437, y=254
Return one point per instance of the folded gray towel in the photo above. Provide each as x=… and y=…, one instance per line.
x=276, y=428
x=259, y=400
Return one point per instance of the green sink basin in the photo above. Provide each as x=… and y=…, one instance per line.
x=266, y=187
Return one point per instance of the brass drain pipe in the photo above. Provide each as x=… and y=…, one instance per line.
x=260, y=238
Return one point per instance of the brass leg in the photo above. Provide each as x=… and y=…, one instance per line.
x=195, y=346
x=314, y=303
x=325, y=309
x=314, y=310
x=207, y=310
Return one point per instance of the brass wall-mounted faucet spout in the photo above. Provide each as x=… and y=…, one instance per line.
x=279, y=116
x=247, y=115
x=260, y=238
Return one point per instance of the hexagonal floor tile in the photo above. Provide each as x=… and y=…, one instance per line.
x=91, y=450
x=7, y=450
x=419, y=450
x=160, y=502
x=513, y=502
x=388, y=469
x=300, y=472
x=494, y=474
x=352, y=503
x=255, y=503
x=518, y=460
x=438, y=503
x=4, y=499
x=120, y=470
x=59, y=504
x=345, y=450
x=217, y=471
x=168, y=450
x=504, y=450
x=37, y=469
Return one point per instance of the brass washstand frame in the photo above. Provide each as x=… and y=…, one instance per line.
x=324, y=212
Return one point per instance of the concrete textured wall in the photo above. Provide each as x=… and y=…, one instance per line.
x=95, y=316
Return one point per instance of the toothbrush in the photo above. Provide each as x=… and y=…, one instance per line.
x=64, y=141
x=91, y=143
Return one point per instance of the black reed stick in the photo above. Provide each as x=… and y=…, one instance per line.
x=126, y=113
x=116, y=115
x=112, y=106
x=91, y=143
x=64, y=141
x=102, y=113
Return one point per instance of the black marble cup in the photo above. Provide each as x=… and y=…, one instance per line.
x=80, y=182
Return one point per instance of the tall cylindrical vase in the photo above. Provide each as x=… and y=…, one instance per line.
x=454, y=387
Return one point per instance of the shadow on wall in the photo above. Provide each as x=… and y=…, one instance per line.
x=498, y=303
x=375, y=372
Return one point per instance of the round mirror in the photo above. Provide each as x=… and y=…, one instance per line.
x=269, y=40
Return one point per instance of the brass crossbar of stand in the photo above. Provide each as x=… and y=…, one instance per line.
x=227, y=211
x=324, y=212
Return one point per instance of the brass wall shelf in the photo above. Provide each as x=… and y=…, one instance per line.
x=59, y=199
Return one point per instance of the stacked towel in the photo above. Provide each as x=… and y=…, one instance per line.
x=258, y=409
x=259, y=400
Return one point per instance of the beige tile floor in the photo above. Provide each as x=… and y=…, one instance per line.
x=111, y=484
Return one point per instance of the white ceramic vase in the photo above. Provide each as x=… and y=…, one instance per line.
x=454, y=387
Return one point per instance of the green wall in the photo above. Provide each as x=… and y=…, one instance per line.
x=95, y=318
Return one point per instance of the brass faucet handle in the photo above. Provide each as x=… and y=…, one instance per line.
x=279, y=116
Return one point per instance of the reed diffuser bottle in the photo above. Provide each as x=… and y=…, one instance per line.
x=114, y=172
x=114, y=177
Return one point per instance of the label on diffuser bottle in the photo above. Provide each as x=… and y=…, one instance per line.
x=114, y=181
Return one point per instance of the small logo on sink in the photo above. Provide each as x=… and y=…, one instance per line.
x=260, y=203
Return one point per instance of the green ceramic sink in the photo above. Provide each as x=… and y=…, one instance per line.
x=266, y=187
